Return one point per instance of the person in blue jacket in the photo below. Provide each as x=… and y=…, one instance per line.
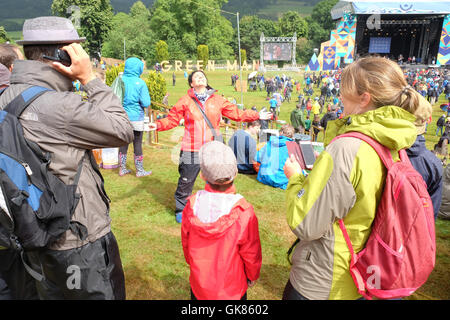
x=423, y=160
x=135, y=100
x=272, y=158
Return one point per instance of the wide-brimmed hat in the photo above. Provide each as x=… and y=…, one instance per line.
x=49, y=30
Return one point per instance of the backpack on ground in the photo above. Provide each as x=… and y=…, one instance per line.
x=36, y=207
x=399, y=254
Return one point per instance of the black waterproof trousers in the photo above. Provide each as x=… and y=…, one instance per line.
x=91, y=272
x=188, y=168
x=15, y=282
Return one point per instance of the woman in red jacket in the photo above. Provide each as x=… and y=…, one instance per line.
x=197, y=132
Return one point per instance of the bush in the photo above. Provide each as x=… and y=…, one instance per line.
x=243, y=56
x=157, y=87
x=162, y=51
x=203, y=53
x=113, y=72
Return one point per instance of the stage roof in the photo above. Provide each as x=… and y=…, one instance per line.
x=390, y=7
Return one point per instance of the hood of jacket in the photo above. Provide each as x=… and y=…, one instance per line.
x=279, y=141
x=134, y=67
x=391, y=126
x=418, y=147
x=298, y=112
x=216, y=207
x=38, y=73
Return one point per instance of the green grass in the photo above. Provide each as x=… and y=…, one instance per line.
x=149, y=238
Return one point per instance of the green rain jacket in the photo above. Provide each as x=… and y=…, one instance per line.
x=346, y=183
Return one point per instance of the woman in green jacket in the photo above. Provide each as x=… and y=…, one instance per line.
x=347, y=180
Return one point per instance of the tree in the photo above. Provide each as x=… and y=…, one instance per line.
x=203, y=53
x=290, y=23
x=320, y=25
x=3, y=35
x=243, y=56
x=184, y=24
x=251, y=28
x=134, y=32
x=322, y=14
x=157, y=87
x=162, y=52
x=112, y=73
x=95, y=20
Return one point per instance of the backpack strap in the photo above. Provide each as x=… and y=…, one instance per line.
x=383, y=152
x=208, y=122
x=23, y=100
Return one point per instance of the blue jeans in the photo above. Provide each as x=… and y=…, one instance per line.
x=439, y=128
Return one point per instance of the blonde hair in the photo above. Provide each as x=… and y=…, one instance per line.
x=287, y=130
x=383, y=80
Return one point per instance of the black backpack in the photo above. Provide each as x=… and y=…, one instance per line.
x=36, y=207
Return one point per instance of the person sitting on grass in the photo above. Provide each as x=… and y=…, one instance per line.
x=243, y=144
x=219, y=231
x=272, y=158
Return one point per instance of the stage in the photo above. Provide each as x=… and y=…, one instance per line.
x=413, y=32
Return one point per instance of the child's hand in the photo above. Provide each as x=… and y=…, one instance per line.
x=251, y=283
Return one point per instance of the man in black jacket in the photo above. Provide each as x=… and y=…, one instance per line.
x=330, y=115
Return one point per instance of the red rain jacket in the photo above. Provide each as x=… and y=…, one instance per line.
x=197, y=132
x=223, y=254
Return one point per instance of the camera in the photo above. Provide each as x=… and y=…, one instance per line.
x=60, y=56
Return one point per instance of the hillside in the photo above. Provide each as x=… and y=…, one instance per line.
x=14, y=12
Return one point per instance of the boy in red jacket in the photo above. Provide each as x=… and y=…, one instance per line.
x=219, y=231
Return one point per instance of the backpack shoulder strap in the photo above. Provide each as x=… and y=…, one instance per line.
x=23, y=100
x=383, y=152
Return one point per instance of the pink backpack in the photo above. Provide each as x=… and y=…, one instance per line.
x=400, y=253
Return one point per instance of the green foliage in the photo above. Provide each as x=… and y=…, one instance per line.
x=243, y=56
x=184, y=24
x=322, y=14
x=291, y=22
x=162, y=51
x=3, y=35
x=251, y=28
x=134, y=30
x=157, y=87
x=95, y=20
x=203, y=53
x=112, y=73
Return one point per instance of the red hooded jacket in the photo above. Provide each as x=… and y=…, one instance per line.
x=197, y=132
x=224, y=253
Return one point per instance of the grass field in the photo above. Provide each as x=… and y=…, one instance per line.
x=149, y=238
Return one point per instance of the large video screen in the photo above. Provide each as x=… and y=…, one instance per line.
x=278, y=51
x=380, y=45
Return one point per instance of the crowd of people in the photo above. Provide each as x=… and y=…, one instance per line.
x=219, y=227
